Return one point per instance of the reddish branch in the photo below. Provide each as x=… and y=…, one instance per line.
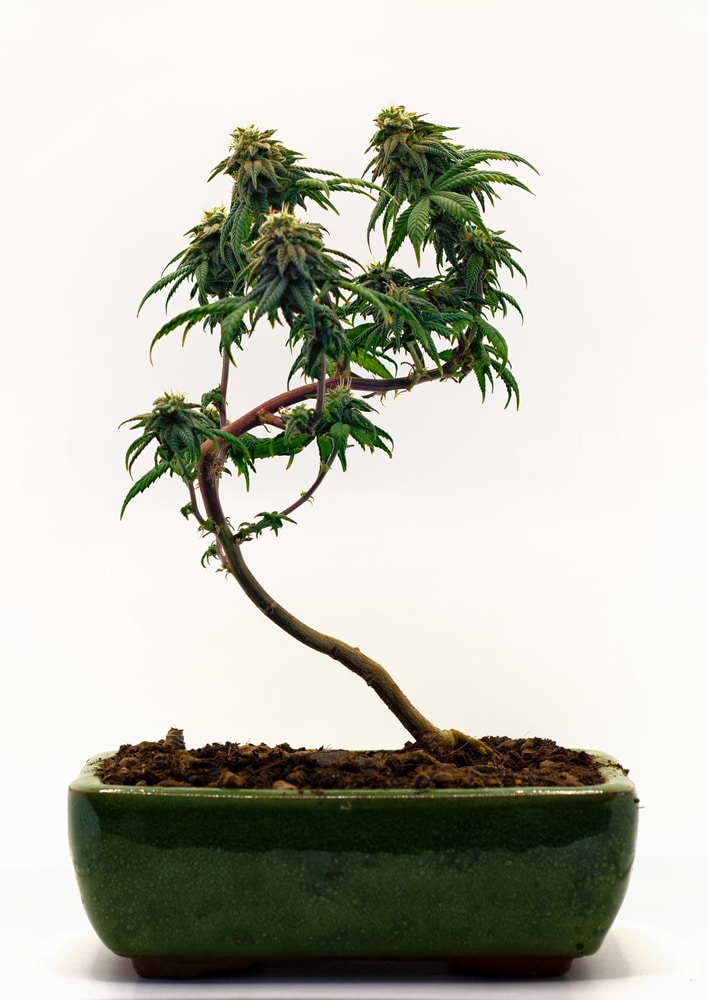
x=374, y=386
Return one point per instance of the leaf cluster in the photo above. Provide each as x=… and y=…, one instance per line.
x=177, y=429
x=352, y=330
x=343, y=421
x=206, y=263
x=267, y=176
x=266, y=520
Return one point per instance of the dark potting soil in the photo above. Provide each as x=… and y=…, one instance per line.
x=515, y=763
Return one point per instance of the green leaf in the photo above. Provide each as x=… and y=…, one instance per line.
x=210, y=553
x=372, y=438
x=459, y=206
x=325, y=448
x=511, y=385
x=471, y=157
x=136, y=448
x=479, y=178
x=188, y=319
x=144, y=482
x=232, y=332
x=506, y=299
x=496, y=341
x=379, y=208
x=267, y=520
x=417, y=225
x=339, y=434
x=381, y=302
x=270, y=300
x=181, y=273
x=398, y=235
x=473, y=267
x=236, y=229
x=371, y=363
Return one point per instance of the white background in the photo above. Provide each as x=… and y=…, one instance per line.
x=539, y=572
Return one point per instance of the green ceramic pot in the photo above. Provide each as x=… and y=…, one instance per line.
x=513, y=881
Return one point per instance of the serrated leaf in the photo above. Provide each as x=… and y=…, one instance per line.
x=180, y=272
x=398, y=235
x=377, y=211
x=512, y=388
x=454, y=179
x=471, y=157
x=223, y=307
x=473, y=268
x=372, y=364
x=236, y=229
x=325, y=448
x=492, y=177
x=459, y=206
x=506, y=299
x=268, y=519
x=136, y=449
x=377, y=299
x=210, y=553
x=145, y=482
x=176, y=285
x=417, y=224
x=270, y=300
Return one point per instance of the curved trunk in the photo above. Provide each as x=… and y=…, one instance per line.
x=376, y=676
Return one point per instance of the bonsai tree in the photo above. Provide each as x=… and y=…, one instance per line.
x=354, y=332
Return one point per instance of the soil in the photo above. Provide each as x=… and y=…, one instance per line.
x=533, y=762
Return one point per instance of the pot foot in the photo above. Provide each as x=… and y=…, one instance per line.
x=515, y=966
x=170, y=967
x=498, y=966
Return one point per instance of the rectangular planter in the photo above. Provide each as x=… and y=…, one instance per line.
x=186, y=881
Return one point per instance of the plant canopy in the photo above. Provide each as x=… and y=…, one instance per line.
x=353, y=331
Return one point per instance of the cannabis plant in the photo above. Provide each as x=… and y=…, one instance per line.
x=354, y=332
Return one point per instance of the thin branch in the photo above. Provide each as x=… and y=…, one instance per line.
x=321, y=387
x=223, y=387
x=376, y=386
x=270, y=419
x=193, y=499
x=308, y=494
x=189, y=483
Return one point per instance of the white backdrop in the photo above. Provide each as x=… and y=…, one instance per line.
x=539, y=572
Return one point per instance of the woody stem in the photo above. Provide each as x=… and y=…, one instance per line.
x=376, y=676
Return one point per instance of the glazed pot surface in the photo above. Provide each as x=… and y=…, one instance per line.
x=191, y=880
